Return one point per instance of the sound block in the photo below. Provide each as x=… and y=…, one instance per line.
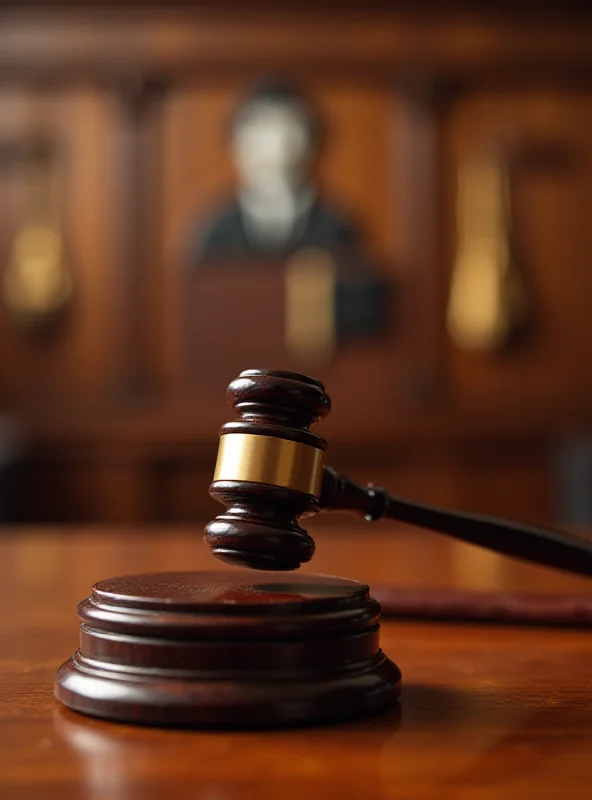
x=236, y=649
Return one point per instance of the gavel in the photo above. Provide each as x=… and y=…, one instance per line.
x=236, y=649
x=270, y=472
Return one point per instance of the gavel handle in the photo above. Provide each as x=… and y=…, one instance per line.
x=547, y=547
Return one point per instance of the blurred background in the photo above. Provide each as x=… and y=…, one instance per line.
x=396, y=201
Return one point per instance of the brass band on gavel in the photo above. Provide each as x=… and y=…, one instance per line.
x=270, y=460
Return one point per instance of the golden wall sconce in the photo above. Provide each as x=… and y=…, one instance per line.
x=487, y=301
x=37, y=286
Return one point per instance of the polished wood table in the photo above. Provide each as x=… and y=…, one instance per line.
x=487, y=711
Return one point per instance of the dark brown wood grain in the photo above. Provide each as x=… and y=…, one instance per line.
x=486, y=712
x=228, y=650
x=260, y=527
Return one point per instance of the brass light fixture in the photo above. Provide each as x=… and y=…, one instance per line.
x=36, y=284
x=487, y=297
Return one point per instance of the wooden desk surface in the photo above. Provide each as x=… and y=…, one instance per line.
x=487, y=711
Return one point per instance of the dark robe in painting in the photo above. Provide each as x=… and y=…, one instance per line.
x=362, y=297
x=226, y=237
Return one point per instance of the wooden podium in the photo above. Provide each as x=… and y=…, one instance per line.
x=297, y=314
x=232, y=315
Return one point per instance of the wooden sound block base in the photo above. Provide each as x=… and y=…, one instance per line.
x=236, y=649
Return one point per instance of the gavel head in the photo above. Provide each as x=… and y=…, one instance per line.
x=269, y=470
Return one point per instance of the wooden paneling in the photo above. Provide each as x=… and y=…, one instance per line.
x=138, y=102
x=358, y=166
x=197, y=174
x=76, y=361
x=548, y=135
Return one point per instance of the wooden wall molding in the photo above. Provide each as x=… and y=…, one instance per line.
x=78, y=44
